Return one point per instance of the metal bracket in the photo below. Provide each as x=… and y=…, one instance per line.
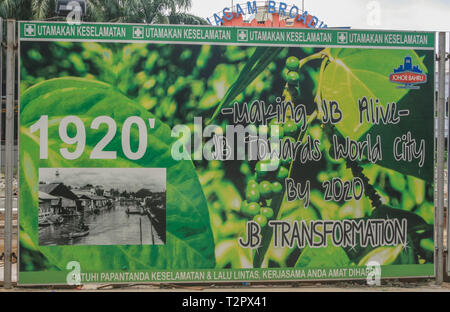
x=5, y=46
x=447, y=57
x=13, y=256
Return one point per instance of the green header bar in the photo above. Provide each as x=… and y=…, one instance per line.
x=39, y=31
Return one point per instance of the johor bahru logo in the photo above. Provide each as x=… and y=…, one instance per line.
x=408, y=75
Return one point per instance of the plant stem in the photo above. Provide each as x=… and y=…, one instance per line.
x=319, y=55
x=357, y=170
x=276, y=207
x=277, y=201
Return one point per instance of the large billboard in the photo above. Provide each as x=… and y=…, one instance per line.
x=213, y=154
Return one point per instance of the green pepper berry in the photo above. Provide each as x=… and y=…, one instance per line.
x=217, y=206
x=283, y=173
x=252, y=194
x=261, y=220
x=276, y=187
x=245, y=169
x=267, y=212
x=244, y=205
x=286, y=161
x=277, y=131
x=290, y=127
x=293, y=78
x=265, y=189
x=252, y=209
x=285, y=74
x=252, y=184
x=259, y=168
x=274, y=122
x=292, y=63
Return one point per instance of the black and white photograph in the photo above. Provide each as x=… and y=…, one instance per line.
x=102, y=206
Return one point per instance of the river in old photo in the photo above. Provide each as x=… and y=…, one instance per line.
x=113, y=227
x=102, y=206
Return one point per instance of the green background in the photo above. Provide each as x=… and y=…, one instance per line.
x=174, y=84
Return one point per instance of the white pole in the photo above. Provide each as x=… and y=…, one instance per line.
x=1, y=108
x=1, y=92
x=9, y=139
x=440, y=163
x=447, y=75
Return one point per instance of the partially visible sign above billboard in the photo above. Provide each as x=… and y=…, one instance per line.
x=271, y=14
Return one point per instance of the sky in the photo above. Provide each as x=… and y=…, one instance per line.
x=412, y=15
x=127, y=179
x=420, y=15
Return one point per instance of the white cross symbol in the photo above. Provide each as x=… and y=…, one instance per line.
x=138, y=32
x=342, y=38
x=242, y=35
x=29, y=30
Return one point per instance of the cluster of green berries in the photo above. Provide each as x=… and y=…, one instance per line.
x=291, y=72
x=258, y=192
x=264, y=185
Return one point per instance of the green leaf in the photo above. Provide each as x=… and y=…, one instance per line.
x=397, y=180
x=426, y=210
x=289, y=211
x=385, y=212
x=408, y=201
x=382, y=255
x=326, y=257
x=415, y=225
x=427, y=244
x=189, y=237
x=257, y=63
x=420, y=123
x=228, y=196
x=349, y=76
x=228, y=252
x=418, y=188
